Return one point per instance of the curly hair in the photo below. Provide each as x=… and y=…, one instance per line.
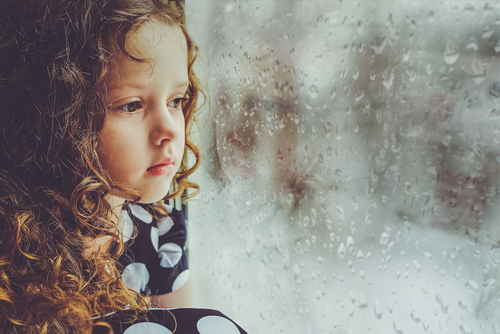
x=54, y=58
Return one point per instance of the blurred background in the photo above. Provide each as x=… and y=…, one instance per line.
x=351, y=169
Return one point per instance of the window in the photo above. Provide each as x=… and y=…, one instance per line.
x=351, y=173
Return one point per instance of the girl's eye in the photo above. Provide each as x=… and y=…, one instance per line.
x=176, y=103
x=130, y=107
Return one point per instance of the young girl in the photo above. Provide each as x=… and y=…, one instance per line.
x=96, y=101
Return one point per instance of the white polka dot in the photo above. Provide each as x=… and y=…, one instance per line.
x=141, y=213
x=147, y=328
x=213, y=324
x=170, y=254
x=165, y=206
x=126, y=226
x=164, y=225
x=180, y=280
x=136, y=276
x=154, y=238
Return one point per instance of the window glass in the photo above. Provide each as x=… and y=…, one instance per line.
x=351, y=165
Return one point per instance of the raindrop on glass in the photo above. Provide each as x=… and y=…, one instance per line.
x=430, y=17
x=377, y=309
x=487, y=32
x=472, y=43
x=341, y=251
x=495, y=89
x=378, y=45
x=451, y=53
x=313, y=90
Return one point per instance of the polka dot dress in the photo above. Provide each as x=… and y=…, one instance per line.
x=181, y=321
x=155, y=262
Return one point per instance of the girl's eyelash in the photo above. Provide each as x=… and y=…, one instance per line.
x=131, y=107
x=177, y=102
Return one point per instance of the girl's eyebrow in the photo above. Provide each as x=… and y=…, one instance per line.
x=127, y=85
x=182, y=84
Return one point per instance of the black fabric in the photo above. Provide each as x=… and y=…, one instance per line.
x=141, y=249
x=163, y=321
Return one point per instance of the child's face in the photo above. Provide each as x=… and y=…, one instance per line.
x=142, y=142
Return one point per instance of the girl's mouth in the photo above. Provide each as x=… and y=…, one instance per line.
x=166, y=166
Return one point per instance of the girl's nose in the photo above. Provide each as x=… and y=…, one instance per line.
x=167, y=124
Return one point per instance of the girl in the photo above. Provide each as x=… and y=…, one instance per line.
x=97, y=97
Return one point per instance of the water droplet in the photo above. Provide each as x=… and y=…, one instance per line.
x=368, y=219
x=472, y=286
x=306, y=221
x=406, y=54
x=296, y=270
x=469, y=9
x=472, y=43
x=355, y=74
x=488, y=284
x=428, y=69
x=292, y=52
x=363, y=304
x=465, y=329
x=360, y=26
x=451, y=53
x=415, y=316
x=430, y=17
x=313, y=91
x=487, y=32
x=373, y=75
x=494, y=113
x=328, y=132
x=333, y=93
x=280, y=155
x=378, y=45
x=478, y=71
x=496, y=328
x=350, y=244
x=346, y=49
x=443, y=303
x=417, y=265
x=359, y=94
x=377, y=309
x=398, y=328
x=446, y=140
x=341, y=251
x=384, y=238
x=495, y=89
x=497, y=46
x=388, y=77
x=340, y=212
x=395, y=144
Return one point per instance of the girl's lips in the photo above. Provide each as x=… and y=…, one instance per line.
x=162, y=169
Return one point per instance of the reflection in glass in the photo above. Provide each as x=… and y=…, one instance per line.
x=352, y=163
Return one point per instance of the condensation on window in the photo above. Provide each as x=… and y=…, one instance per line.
x=350, y=181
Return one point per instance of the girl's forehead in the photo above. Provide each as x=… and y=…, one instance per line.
x=163, y=48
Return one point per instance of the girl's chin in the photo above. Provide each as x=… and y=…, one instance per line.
x=152, y=198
